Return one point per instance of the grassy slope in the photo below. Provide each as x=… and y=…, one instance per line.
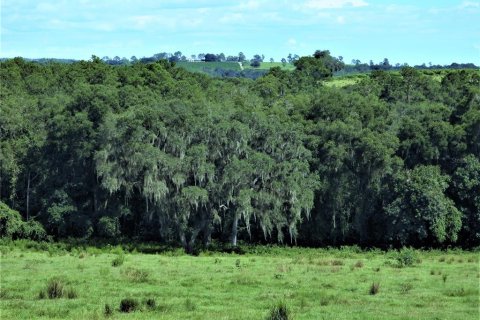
x=202, y=66
x=315, y=284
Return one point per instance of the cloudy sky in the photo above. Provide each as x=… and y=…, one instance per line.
x=411, y=31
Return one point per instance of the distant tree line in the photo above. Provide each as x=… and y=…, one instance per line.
x=152, y=152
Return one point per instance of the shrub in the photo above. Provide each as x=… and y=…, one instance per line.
x=136, y=275
x=108, y=311
x=279, y=312
x=407, y=257
x=128, y=305
x=374, y=288
x=150, y=303
x=337, y=263
x=42, y=294
x=71, y=294
x=55, y=288
x=190, y=305
x=118, y=261
x=12, y=226
x=108, y=227
x=406, y=287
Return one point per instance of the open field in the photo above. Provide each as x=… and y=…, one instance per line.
x=268, y=65
x=230, y=66
x=314, y=284
x=204, y=66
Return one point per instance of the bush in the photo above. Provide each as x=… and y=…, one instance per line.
x=407, y=257
x=128, y=305
x=374, y=288
x=55, y=288
x=118, y=261
x=279, y=312
x=190, y=305
x=108, y=227
x=136, y=275
x=71, y=294
x=108, y=311
x=150, y=303
x=12, y=226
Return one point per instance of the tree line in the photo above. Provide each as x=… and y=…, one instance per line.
x=150, y=151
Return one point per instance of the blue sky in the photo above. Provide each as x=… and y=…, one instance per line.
x=405, y=31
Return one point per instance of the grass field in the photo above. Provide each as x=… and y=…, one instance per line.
x=203, y=66
x=268, y=65
x=234, y=66
x=313, y=283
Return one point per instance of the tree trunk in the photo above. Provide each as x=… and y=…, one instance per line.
x=235, y=230
x=28, y=196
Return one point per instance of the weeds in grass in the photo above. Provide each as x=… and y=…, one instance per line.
x=377, y=269
x=405, y=288
x=337, y=263
x=442, y=259
x=432, y=272
x=358, y=264
x=190, y=305
x=471, y=260
x=55, y=288
x=150, y=303
x=108, y=310
x=407, y=257
x=237, y=263
x=42, y=295
x=325, y=300
x=279, y=312
x=444, y=278
x=136, y=275
x=71, y=293
x=374, y=288
x=335, y=269
x=461, y=292
x=118, y=261
x=128, y=305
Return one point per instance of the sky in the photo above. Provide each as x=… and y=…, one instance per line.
x=408, y=31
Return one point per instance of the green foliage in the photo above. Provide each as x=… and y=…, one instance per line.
x=407, y=257
x=419, y=208
x=108, y=227
x=108, y=310
x=151, y=151
x=374, y=288
x=128, y=305
x=118, y=260
x=55, y=288
x=12, y=226
x=279, y=312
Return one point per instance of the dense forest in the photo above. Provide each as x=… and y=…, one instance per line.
x=148, y=151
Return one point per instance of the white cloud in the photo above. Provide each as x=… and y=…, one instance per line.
x=470, y=4
x=232, y=18
x=249, y=5
x=333, y=4
x=341, y=19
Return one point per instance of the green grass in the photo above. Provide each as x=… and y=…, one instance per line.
x=268, y=65
x=313, y=284
x=204, y=66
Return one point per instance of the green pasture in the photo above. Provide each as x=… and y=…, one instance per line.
x=313, y=283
